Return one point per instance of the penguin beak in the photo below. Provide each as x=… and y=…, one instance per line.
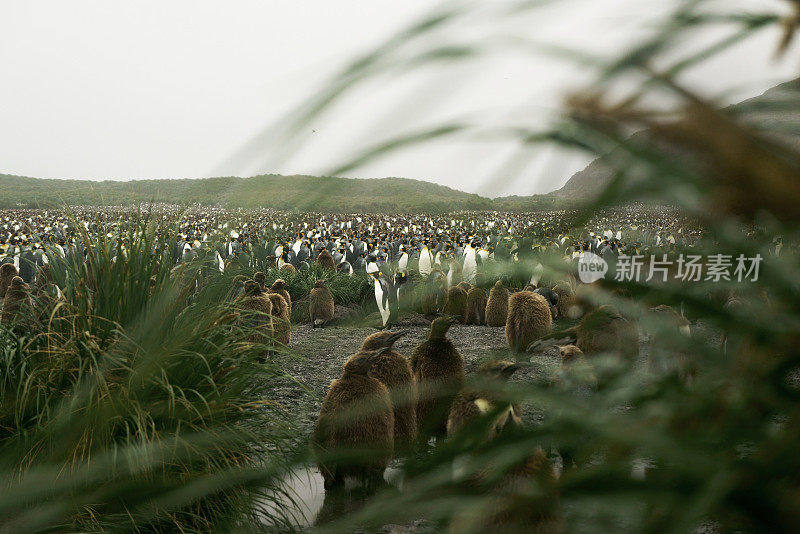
x=382, y=350
x=510, y=370
x=391, y=340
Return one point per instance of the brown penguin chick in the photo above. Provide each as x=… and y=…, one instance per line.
x=529, y=318
x=525, y=501
x=320, y=306
x=566, y=300
x=575, y=371
x=393, y=371
x=497, y=305
x=7, y=273
x=281, y=318
x=354, y=434
x=476, y=306
x=456, y=304
x=287, y=268
x=325, y=260
x=607, y=330
x=664, y=354
x=434, y=294
x=261, y=279
x=483, y=398
x=279, y=287
x=255, y=312
x=438, y=368
x=18, y=296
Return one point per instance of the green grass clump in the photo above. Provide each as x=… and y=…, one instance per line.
x=129, y=408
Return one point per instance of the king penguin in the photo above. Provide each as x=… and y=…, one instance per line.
x=470, y=264
x=386, y=298
x=425, y=261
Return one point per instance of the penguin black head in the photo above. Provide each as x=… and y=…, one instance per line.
x=320, y=283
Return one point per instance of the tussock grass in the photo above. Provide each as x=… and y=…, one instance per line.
x=139, y=410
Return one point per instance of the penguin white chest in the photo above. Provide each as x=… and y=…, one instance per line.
x=470, y=265
x=402, y=264
x=425, y=262
x=383, y=303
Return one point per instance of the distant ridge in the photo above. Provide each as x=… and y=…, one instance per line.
x=777, y=111
x=303, y=193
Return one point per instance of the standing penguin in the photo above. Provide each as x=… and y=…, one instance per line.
x=425, y=261
x=386, y=298
x=456, y=304
x=261, y=279
x=281, y=318
x=393, y=371
x=529, y=318
x=497, y=305
x=356, y=425
x=321, y=305
x=255, y=313
x=18, y=295
x=279, y=287
x=405, y=290
x=566, y=299
x=476, y=306
x=439, y=370
x=325, y=260
x=470, y=269
x=402, y=262
x=7, y=273
x=434, y=294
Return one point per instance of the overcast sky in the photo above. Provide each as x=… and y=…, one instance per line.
x=186, y=89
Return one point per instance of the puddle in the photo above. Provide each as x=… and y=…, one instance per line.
x=314, y=506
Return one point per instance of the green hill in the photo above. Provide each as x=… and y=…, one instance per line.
x=303, y=193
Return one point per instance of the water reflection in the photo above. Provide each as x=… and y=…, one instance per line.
x=314, y=506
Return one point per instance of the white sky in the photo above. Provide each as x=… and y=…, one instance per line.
x=186, y=88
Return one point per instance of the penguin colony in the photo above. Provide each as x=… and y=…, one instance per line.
x=409, y=399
